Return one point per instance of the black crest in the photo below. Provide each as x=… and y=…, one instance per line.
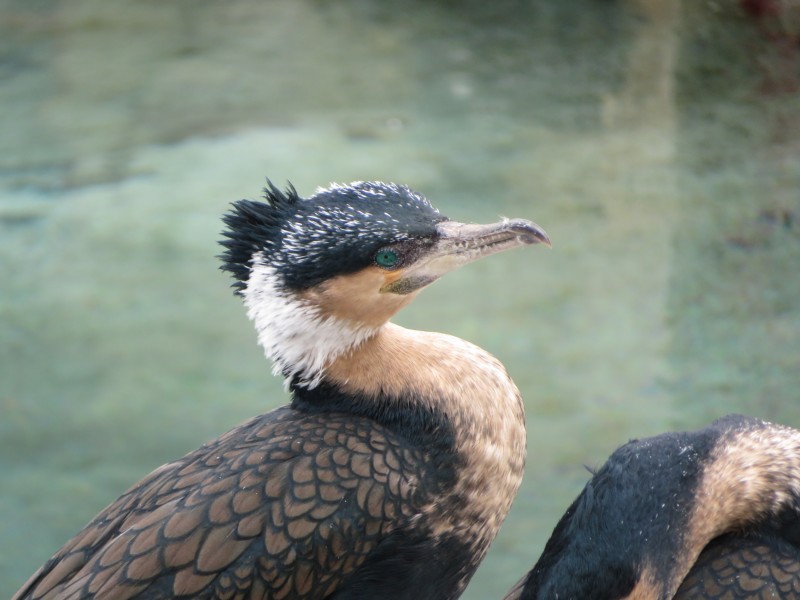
x=253, y=227
x=335, y=231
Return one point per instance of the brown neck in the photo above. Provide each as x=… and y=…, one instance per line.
x=452, y=375
x=753, y=474
x=462, y=381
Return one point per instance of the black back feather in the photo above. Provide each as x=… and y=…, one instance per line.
x=616, y=526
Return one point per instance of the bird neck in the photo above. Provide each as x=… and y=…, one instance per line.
x=439, y=370
x=406, y=379
x=296, y=334
x=753, y=476
x=469, y=387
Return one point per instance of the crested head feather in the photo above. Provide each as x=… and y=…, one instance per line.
x=253, y=227
x=335, y=231
x=278, y=199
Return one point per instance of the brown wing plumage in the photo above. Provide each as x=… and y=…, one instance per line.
x=285, y=505
x=736, y=567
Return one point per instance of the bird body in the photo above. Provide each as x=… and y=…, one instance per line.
x=712, y=514
x=391, y=470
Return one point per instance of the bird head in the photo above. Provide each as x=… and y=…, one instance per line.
x=320, y=275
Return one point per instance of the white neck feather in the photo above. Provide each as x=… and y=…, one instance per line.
x=293, y=332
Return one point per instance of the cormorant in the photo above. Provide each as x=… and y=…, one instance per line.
x=391, y=470
x=711, y=514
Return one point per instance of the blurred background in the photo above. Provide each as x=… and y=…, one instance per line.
x=657, y=141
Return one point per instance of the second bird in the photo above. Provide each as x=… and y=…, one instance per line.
x=389, y=473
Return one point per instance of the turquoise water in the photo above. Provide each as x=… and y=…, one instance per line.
x=658, y=142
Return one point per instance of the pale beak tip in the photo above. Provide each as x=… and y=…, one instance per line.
x=540, y=237
x=529, y=232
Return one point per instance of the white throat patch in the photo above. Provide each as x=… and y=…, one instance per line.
x=294, y=334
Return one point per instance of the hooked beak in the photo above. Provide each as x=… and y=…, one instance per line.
x=458, y=244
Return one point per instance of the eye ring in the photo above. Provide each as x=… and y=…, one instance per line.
x=387, y=258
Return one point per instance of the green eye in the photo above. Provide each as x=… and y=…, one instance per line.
x=386, y=258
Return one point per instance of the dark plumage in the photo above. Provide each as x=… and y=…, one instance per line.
x=713, y=513
x=372, y=482
x=761, y=562
x=338, y=233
